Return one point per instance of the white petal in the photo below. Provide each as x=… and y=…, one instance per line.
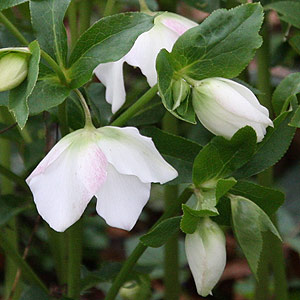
x=62, y=190
x=121, y=199
x=133, y=154
x=111, y=75
x=247, y=94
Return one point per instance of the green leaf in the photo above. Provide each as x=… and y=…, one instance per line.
x=289, y=86
x=191, y=218
x=249, y=222
x=159, y=235
x=288, y=11
x=204, y=5
x=209, y=49
x=221, y=157
x=178, y=151
x=271, y=149
x=47, y=21
x=4, y=98
x=34, y=293
x=223, y=186
x=294, y=41
x=107, y=40
x=47, y=93
x=5, y=4
x=295, y=121
x=268, y=199
x=18, y=97
x=11, y=206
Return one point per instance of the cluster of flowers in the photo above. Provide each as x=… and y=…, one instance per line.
x=118, y=165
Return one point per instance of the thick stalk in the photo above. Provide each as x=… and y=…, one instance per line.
x=171, y=259
x=135, y=108
x=72, y=17
x=140, y=248
x=109, y=8
x=74, y=259
x=7, y=188
x=87, y=113
x=273, y=252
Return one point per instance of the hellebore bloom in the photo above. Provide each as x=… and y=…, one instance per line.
x=168, y=27
x=206, y=255
x=116, y=165
x=14, y=68
x=224, y=106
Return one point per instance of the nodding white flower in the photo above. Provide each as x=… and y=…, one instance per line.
x=166, y=30
x=116, y=165
x=206, y=255
x=14, y=68
x=224, y=106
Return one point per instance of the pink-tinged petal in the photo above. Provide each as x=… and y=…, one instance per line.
x=121, y=199
x=62, y=191
x=133, y=154
x=111, y=75
x=176, y=22
x=54, y=153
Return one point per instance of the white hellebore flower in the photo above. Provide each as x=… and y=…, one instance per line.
x=117, y=165
x=168, y=27
x=224, y=106
x=206, y=255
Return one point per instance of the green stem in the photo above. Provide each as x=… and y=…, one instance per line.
x=27, y=272
x=72, y=17
x=74, y=259
x=144, y=7
x=133, y=109
x=272, y=252
x=85, y=10
x=62, y=116
x=7, y=188
x=140, y=248
x=14, y=30
x=171, y=256
x=88, y=118
x=109, y=8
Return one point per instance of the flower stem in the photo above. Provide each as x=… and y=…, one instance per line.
x=14, y=30
x=133, y=109
x=144, y=7
x=85, y=10
x=27, y=272
x=87, y=113
x=109, y=7
x=272, y=253
x=140, y=248
x=72, y=17
x=74, y=259
x=171, y=259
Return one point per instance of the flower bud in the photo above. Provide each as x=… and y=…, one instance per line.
x=14, y=69
x=206, y=255
x=224, y=106
x=181, y=90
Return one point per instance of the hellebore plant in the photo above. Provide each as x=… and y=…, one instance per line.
x=168, y=27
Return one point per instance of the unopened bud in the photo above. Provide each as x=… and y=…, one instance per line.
x=181, y=90
x=13, y=69
x=206, y=255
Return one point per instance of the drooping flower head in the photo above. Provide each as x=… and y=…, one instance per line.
x=224, y=106
x=206, y=255
x=116, y=165
x=168, y=27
